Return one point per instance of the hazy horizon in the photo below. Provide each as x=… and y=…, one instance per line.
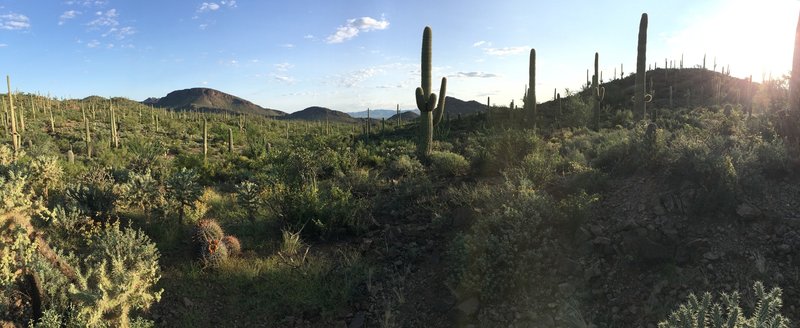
x=353, y=55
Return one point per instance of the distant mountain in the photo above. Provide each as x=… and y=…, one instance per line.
x=406, y=116
x=321, y=114
x=455, y=106
x=377, y=113
x=151, y=101
x=206, y=99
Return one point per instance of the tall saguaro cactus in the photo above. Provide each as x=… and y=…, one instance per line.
x=794, y=82
x=430, y=110
x=598, y=93
x=205, y=139
x=14, y=135
x=639, y=92
x=530, y=100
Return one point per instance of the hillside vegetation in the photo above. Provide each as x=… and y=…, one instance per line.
x=580, y=212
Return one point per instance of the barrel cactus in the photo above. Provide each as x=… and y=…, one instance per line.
x=214, y=253
x=232, y=245
x=207, y=230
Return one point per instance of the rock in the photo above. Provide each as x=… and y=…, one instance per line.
x=358, y=320
x=566, y=289
x=711, y=256
x=469, y=306
x=187, y=302
x=747, y=211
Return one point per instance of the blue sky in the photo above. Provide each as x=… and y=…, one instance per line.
x=353, y=54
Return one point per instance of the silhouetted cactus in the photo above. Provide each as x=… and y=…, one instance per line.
x=530, y=100
x=639, y=92
x=426, y=100
x=598, y=92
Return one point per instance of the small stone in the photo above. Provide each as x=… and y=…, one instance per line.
x=711, y=256
x=187, y=302
x=566, y=289
x=747, y=211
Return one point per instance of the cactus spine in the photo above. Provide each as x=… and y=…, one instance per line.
x=598, y=92
x=639, y=92
x=14, y=135
x=531, y=99
x=426, y=100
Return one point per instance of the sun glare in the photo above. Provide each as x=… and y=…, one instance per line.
x=753, y=37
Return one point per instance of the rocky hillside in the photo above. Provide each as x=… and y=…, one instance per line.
x=316, y=113
x=206, y=99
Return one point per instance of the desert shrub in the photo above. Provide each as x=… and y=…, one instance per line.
x=140, y=191
x=447, y=164
x=46, y=174
x=705, y=312
x=518, y=232
x=318, y=213
x=403, y=166
x=14, y=194
x=94, y=195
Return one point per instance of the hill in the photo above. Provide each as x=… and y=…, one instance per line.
x=206, y=99
x=406, y=116
x=316, y=113
x=377, y=113
x=454, y=107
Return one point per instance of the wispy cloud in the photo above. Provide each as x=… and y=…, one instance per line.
x=353, y=78
x=14, y=21
x=67, y=15
x=213, y=6
x=3, y=45
x=87, y=3
x=105, y=19
x=308, y=37
x=506, y=51
x=354, y=26
x=481, y=43
x=93, y=44
x=283, y=78
x=120, y=33
x=283, y=67
x=473, y=74
x=287, y=45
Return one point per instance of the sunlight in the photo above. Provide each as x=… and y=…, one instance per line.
x=752, y=37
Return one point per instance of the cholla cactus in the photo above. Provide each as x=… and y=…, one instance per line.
x=121, y=273
x=14, y=195
x=248, y=195
x=184, y=190
x=46, y=174
x=703, y=312
x=141, y=191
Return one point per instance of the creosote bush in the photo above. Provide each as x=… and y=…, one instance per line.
x=447, y=164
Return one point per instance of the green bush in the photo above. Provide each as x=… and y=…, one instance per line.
x=404, y=166
x=448, y=164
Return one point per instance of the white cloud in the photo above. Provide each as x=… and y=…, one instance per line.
x=229, y=3
x=93, y=44
x=353, y=78
x=207, y=6
x=67, y=15
x=283, y=67
x=473, y=74
x=120, y=33
x=14, y=21
x=3, y=45
x=202, y=26
x=506, y=51
x=308, y=37
x=479, y=43
x=287, y=45
x=283, y=78
x=87, y=3
x=355, y=26
x=108, y=18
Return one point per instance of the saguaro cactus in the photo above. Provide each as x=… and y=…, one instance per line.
x=114, y=136
x=794, y=81
x=639, y=92
x=426, y=100
x=88, y=135
x=205, y=139
x=14, y=134
x=598, y=92
x=230, y=140
x=530, y=102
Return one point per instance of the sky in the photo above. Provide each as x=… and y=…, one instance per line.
x=351, y=55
